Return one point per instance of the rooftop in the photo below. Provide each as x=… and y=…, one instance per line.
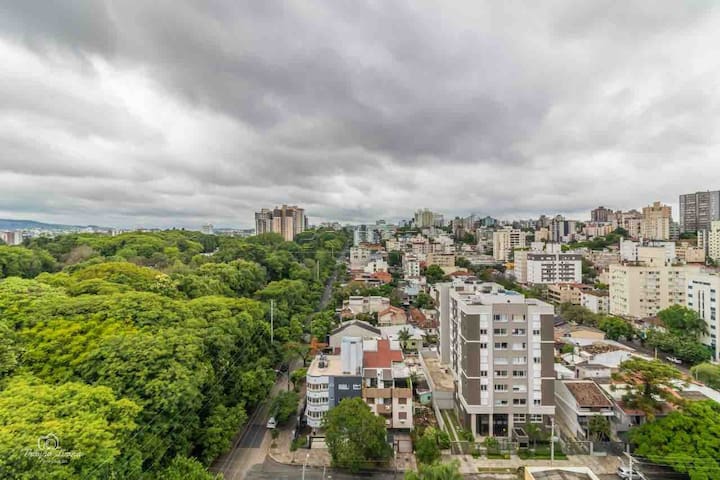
x=333, y=366
x=383, y=357
x=440, y=377
x=587, y=394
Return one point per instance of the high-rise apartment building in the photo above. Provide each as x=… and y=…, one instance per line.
x=656, y=222
x=428, y=218
x=561, y=230
x=703, y=294
x=505, y=241
x=709, y=240
x=642, y=290
x=499, y=347
x=698, y=209
x=548, y=267
x=601, y=215
x=288, y=221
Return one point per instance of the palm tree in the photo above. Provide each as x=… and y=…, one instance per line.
x=404, y=336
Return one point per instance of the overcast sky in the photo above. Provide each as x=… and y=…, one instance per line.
x=170, y=112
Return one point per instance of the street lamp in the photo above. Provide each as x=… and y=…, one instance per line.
x=307, y=456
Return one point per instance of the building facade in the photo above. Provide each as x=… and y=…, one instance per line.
x=499, y=347
x=702, y=296
x=698, y=210
x=505, y=241
x=601, y=215
x=656, y=222
x=287, y=221
x=547, y=268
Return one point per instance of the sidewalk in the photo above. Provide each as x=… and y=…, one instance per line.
x=599, y=465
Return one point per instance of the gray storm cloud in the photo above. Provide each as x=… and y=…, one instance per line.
x=178, y=113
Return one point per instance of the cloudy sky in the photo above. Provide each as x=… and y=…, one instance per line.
x=171, y=112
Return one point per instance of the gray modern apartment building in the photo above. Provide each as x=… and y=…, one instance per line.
x=499, y=346
x=698, y=210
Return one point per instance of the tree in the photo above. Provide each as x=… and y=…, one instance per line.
x=615, y=328
x=298, y=377
x=463, y=262
x=434, y=274
x=707, y=373
x=322, y=324
x=599, y=427
x=577, y=314
x=284, y=406
x=423, y=300
x=427, y=449
x=688, y=440
x=437, y=471
x=355, y=436
x=535, y=433
x=648, y=383
x=683, y=321
x=404, y=336
x=183, y=468
x=394, y=258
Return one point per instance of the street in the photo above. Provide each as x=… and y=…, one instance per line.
x=270, y=470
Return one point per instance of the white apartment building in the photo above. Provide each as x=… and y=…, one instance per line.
x=505, y=241
x=373, y=304
x=646, y=251
x=377, y=265
x=710, y=240
x=499, y=347
x=656, y=222
x=546, y=268
x=597, y=301
x=411, y=265
x=359, y=257
x=641, y=291
x=702, y=296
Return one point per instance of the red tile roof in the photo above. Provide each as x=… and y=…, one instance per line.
x=383, y=358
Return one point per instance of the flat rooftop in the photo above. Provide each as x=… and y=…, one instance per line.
x=441, y=379
x=560, y=475
x=333, y=367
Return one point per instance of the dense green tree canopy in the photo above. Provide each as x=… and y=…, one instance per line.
x=649, y=383
x=683, y=321
x=688, y=440
x=355, y=436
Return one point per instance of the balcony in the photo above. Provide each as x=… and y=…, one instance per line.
x=384, y=409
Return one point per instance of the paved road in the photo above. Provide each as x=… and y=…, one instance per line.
x=270, y=470
x=650, y=352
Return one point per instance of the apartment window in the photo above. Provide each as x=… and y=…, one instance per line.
x=536, y=359
x=402, y=415
x=501, y=387
x=519, y=418
x=536, y=418
x=483, y=388
x=402, y=401
x=519, y=388
x=501, y=373
x=371, y=401
x=483, y=331
x=518, y=331
x=501, y=345
x=483, y=345
x=500, y=331
x=518, y=373
x=536, y=332
x=537, y=401
x=501, y=403
x=519, y=401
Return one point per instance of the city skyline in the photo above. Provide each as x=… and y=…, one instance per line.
x=181, y=116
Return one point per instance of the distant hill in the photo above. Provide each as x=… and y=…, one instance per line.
x=7, y=224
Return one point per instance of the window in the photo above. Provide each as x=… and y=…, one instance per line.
x=483, y=345
x=536, y=359
x=519, y=418
x=536, y=418
x=500, y=331
x=518, y=331
x=402, y=401
x=483, y=388
x=501, y=345
x=519, y=401
x=501, y=403
x=370, y=401
x=536, y=332
x=483, y=373
x=501, y=387
x=402, y=415
x=483, y=331
x=518, y=373
x=501, y=373
x=519, y=388
x=537, y=401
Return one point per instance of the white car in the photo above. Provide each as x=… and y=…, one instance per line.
x=272, y=423
x=626, y=474
x=674, y=360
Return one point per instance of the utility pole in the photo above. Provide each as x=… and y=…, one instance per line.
x=552, y=440
x=307, y=455
x=272, y=321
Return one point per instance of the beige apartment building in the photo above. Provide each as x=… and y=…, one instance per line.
x=286, y=220
x=505, y=241
x=709, y=240
x=656, y=222
x=642, y=290
x=440, y=259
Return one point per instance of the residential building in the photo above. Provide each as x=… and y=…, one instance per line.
x=597, y=301
x=499, y=347
x=642, y=290
x=688, y=253
x=428, y=218
x=356, y=304
x=601, y=215
x=698, y=210
x=709, y=240
x=505, y=241
x=286, y=220
x=547, y=268
x=352, y=328
x=392, y=316
x=441, y=259
x=411, y=265
x=702, y=296
x=359, y=257
x=387, y=389
x=416, y=336
x=332, y=378
x=656, y=222
x=647, y=251
x=208, y=229
x=576, y=401
x=375, y=266
x=562, y=230
x=567, y=292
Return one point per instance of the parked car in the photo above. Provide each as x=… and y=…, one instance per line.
x=674, y=360
x=272, y=423
x=625, y=473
